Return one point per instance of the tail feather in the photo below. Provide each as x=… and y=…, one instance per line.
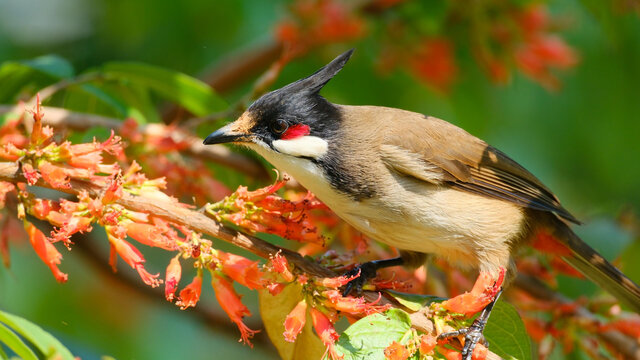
x=592, y=265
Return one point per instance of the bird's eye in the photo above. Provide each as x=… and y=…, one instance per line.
x=279, y=126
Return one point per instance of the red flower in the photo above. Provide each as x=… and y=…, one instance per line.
x=241, y=270
x=281, y=266
x=434, y=62
x=326, y=332
x=294, y=323
x=230, y=302
x=427, y=344
x=450, y=354
x=337, y=282
x=483, y=292
x=396, y=351
x=73, y=225
x=174, y=272
x=30, y=174
x=46, y=251
x=539, y=55
x=190, y=295
x=479, y=352
x=113, y=192
x=129, y=254
x=54, y=175
x=149, y=235
x=353, y=305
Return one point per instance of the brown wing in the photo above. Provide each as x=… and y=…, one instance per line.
x=433, y=150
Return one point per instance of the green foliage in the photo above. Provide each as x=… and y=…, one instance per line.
x=506, y=333
x=193, y=94
x=18, y=77
x=13, y=329
x=367, y=338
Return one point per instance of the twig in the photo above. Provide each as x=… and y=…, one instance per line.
x=61, y=118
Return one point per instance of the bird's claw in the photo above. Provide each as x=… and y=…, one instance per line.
x=472, y=336
x=362, y=274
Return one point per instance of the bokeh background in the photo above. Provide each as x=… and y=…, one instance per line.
x=582, y=139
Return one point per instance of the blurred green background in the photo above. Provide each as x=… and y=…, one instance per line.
x=583, y=141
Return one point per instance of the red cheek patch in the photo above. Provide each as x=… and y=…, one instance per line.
x=295, y=131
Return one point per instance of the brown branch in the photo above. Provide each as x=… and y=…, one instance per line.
x=62, y=118
x=627, y=346
x=199, y=222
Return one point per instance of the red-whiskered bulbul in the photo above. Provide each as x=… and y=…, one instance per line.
x=414, y=182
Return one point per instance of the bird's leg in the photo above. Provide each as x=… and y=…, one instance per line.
x=473, y=334
x=367, y=271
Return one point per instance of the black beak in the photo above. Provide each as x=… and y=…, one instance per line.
x=223, y=135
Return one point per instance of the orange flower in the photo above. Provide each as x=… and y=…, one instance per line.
x=353, y=305
x=30, y=174
x=326, y=332
x=396, y=351
x=450, y=354
x=174, y=272
x=241, y=270
x=230, y=302
x=190, y=295
x=483, y=292
x=336, y=282
x=427, y=344
x=149, y=235
x=54, y=175
x=479, y=352
x=295, y=321
x=129, y=254
x=281, y=266
x=46, y=251
x=434, y=62
x=113, y=192
x=73, y=225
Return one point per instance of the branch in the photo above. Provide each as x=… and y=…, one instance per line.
x=61, y=118
x=197, y=221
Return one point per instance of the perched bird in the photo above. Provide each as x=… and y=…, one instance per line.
x=417, y=183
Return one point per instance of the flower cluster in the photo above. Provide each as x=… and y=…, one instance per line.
x=263, y=211
x=318, y=22
x=428, y=40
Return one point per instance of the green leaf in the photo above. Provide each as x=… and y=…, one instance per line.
x=368, y=337
x=19, y=77
x=506, y=333
x=42, y=340
x=273, y=310
x=51, y=65
x=414, y=302
x=14, y=343
x=193, y=94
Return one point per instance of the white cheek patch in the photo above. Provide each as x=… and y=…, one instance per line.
x=304, y=146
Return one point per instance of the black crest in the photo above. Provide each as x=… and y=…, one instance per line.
x=316, y=81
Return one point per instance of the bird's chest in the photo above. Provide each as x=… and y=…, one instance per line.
x=381, y=217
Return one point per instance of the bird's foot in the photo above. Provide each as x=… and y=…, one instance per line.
x=472, y=336
x=360, y=274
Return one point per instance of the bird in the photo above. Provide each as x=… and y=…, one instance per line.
x=417, y=183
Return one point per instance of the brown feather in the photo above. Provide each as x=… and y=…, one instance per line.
x=462, y=160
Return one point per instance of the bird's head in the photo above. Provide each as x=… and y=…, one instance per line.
x=294, y=120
